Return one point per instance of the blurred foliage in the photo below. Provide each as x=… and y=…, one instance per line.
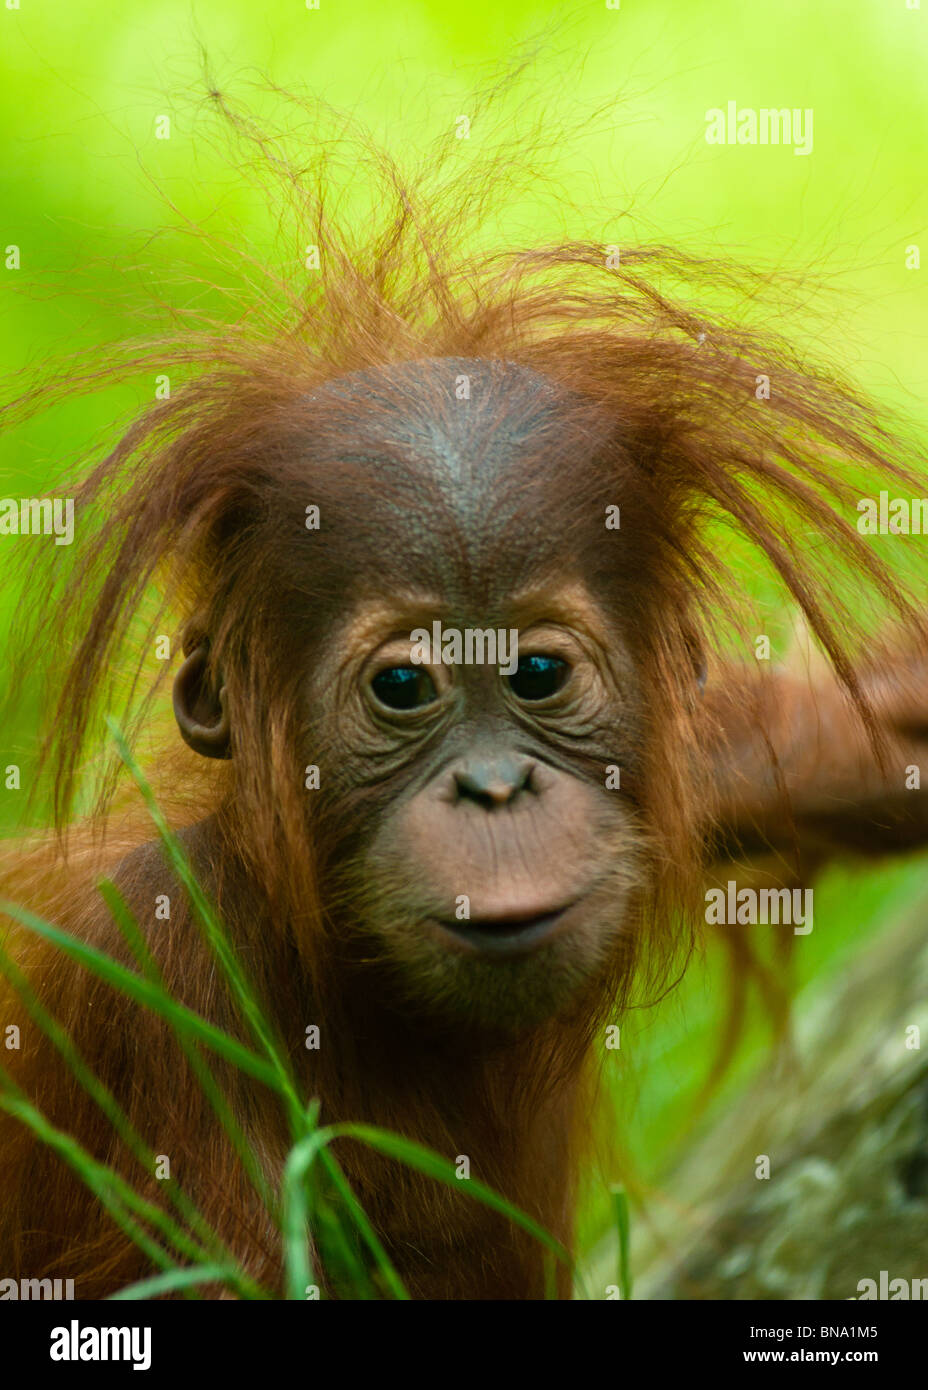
x=842, y=1121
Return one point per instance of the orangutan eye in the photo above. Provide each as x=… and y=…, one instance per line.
x=537, y=677
x=404, y=687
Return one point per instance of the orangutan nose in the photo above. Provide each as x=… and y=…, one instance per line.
x=493, y=781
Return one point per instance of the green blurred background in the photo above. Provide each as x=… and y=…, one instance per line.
x=86, y=190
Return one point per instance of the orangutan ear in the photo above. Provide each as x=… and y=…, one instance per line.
x=200, y=706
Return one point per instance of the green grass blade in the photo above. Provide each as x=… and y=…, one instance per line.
x=215, y=935
x=105, y=1099
x=434, y=1166
x=176, y=1279
x=116, y=1195
x=295, y=1207
x=144, y=992
x=298, y=1216
x=385, y=1265
x=623, y=1226
x=137, y=944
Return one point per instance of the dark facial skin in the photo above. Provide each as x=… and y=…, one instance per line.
x=483, y=861
x=491, y=803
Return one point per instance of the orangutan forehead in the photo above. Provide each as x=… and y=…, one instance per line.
x=463, y=426
x=466, y=476
x=478, y=385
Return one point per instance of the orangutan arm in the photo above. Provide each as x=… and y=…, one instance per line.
x=798, y=777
